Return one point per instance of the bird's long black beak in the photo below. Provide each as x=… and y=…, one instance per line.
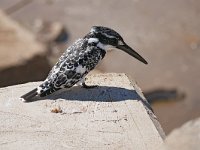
x=131, y=52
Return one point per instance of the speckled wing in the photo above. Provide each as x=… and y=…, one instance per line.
x=73, y=65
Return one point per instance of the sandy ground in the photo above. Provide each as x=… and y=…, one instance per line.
x=166, y=33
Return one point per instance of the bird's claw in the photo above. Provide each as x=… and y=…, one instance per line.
x=88, y=86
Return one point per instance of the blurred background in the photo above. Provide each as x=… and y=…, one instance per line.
x=34, y=33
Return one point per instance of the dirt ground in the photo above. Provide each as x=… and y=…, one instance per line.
x=166, y=33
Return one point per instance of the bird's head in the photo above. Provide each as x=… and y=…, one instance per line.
x=106, y=38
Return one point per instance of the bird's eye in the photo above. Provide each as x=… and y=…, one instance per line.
x=113, y=41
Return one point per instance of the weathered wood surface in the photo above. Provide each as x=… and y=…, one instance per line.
x=113, y=116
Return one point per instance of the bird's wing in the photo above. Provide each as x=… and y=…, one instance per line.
x=72, y=66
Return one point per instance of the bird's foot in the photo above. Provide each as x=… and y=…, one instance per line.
x=88, y=86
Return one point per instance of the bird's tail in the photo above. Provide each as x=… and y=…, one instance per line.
x=29, y=96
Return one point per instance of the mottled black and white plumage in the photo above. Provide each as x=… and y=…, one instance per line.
x=79, y=59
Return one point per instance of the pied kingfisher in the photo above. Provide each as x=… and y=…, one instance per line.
x=79, y=59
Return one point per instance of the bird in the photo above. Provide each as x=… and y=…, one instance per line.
x=79, y=59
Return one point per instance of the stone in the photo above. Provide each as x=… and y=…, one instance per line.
x=186, y=137
x=22, y=57
x=114, y=115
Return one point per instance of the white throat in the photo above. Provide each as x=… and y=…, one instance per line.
x=105, y=47
x=99, y=44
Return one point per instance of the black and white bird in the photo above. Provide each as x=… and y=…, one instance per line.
x=79, y=59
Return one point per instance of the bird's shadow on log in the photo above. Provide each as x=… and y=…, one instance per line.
x=98, y=94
